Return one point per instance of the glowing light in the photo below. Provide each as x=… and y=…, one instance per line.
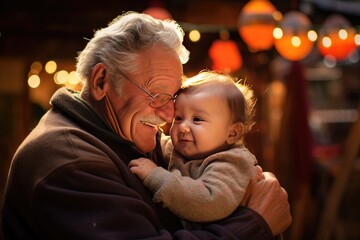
x=50, y=67
x=294, y=44
x=256, y=24
x=277, y=15
x=225, y=55
x=278, y=33
x=194, y=35
x=326, y=42
x=357, y=39
x=343, y=34
x=296, y=41
x=36, y=67
x=34, y=81
x=337, y=38
x=73, y=78
x=61, y=77
x=312, y=35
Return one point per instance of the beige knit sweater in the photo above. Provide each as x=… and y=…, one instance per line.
x=202, y=190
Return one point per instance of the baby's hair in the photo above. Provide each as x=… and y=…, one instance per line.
x=239, y=95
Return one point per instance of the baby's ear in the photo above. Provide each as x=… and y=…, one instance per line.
x=235, y=133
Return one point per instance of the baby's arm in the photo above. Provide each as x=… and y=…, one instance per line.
x=141, y=167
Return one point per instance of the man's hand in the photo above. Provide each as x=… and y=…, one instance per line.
x=141, y=167
x=270, y=200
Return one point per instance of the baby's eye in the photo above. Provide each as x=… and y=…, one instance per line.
x=197, y=119
x=177, y=118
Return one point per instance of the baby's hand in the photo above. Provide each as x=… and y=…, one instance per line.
x=141, y=167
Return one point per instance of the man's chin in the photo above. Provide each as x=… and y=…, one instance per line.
x=147, y=143
x=145, y=137
x=147, y=147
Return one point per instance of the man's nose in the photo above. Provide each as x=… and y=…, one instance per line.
x=167, y=112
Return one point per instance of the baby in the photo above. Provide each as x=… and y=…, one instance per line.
x=209, y=166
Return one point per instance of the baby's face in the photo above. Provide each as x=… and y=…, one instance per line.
x=201, y=125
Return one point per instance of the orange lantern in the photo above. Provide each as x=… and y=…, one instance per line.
x=158, y=13
x=225, y=55
x=256, y=24
x=294, y=43
x=336, y=38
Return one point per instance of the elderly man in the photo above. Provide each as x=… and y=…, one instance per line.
x=69, y=179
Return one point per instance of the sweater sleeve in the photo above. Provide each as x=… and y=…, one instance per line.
x=212, y=195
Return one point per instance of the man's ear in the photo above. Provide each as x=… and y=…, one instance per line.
x=234, y=133
x=99, y=81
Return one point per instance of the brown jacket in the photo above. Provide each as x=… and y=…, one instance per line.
x=69, y=179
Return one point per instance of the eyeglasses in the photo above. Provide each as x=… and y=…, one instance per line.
x=158, y=100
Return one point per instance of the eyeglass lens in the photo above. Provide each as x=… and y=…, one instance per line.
x=160, y=100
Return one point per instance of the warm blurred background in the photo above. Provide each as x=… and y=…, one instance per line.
x=300, y=56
